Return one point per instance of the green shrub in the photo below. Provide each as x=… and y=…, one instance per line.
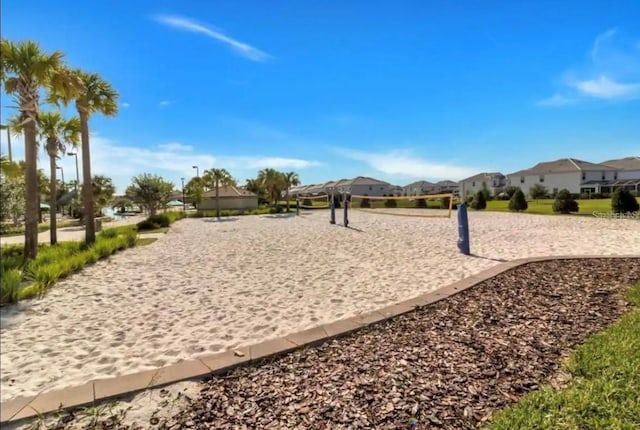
x=444, y=202
x=511, y=190
x=10, y=285
x=479, y=201
x=421, y=203
x=564, y=202
x=469, y=200
x=391, y=203
x=518, y=202
x=365, y=203
x=623, y=202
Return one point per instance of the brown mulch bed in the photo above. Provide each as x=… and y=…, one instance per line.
x=450, y=365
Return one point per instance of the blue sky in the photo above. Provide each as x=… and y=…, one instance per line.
x=398, y=90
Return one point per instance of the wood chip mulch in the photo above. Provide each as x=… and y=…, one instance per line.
x=450, y=365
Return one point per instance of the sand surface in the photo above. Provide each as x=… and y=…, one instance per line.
x=208, y=285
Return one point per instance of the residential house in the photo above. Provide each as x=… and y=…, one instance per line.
x=230, y=198
x=447, y=186
x=575, y=175
x=495, y=182
x=420, y=188
x=628, y=173
x=364, y=185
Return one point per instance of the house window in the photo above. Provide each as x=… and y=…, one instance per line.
x=584, y=176
x=541, y=178
x=555, y=191
x=522, y=179
x=615, y=176
x=370, y=188
x=603, y=176
x=473, y=184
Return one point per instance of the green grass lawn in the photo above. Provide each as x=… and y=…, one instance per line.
x=545, y=206
x=604, y=392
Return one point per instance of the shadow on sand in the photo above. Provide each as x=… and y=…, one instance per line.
x=351, y=228
x=500, y=260
x=221, y=219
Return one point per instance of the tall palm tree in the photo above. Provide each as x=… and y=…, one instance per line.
x=291, y=179
x=217, y=177
x=58, y=132
x=24, y=69
x=95, y=95
x=273, y=182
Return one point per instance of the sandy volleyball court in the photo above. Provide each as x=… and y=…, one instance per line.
x=207, y=286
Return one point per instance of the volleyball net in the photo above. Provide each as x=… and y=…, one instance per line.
x=314, y=202
x=423, y=206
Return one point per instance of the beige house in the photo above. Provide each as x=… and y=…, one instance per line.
x=230, y=198
x=494, y=181
x=426, y=187
x=575, y=175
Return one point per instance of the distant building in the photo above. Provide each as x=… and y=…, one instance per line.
x=230, y=198
x=575, y=175
x=495, y=182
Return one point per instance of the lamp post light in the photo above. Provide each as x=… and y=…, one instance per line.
x=62, y=173
x=184, y=206
x=63, y=185
x=75, y=154
x=197, y=171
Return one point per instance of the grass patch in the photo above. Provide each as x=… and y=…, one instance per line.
x=545, y=206
x=157, y=230
x=23, y=280
x=145, y=241
x=604, y=392
x=158, y=221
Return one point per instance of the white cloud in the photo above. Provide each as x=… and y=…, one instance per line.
x=240, y=48
x=402, y=164
x=125, y=105
x=605, y=88
x=165, y=103
x=171, y=160
x=612, y=72
x=599, y=40
x=556, y=100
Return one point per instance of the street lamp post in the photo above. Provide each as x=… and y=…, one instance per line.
x=197, y=171
x=61, y=173
x=63, y=185
x=75, y=154
x=184, y=205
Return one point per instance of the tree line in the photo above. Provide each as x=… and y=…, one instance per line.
x=26, y=72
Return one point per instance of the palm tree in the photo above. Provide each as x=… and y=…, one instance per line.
x=24, y=69
x=273, y=182
x=291, y=179
x=58, y=132
x=95, y=95
x=217, y=177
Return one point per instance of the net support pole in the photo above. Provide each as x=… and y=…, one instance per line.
x=297, y=207
x=463, y=229
x=346, y=210
x=333, y=210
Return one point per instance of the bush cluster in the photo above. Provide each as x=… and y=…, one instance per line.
x=479, y=202
x=421, y=203
x=391, y=203
x=56, y=262
x=161, y=220
x=565, y=202
x=365, y=203
x=624, y=202
x=518, y=201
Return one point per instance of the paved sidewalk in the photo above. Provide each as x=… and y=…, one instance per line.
x=70, y=233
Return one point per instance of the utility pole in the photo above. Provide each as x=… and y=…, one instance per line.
x=184, y=205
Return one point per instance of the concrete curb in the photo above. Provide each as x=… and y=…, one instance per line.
x=93, y=392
